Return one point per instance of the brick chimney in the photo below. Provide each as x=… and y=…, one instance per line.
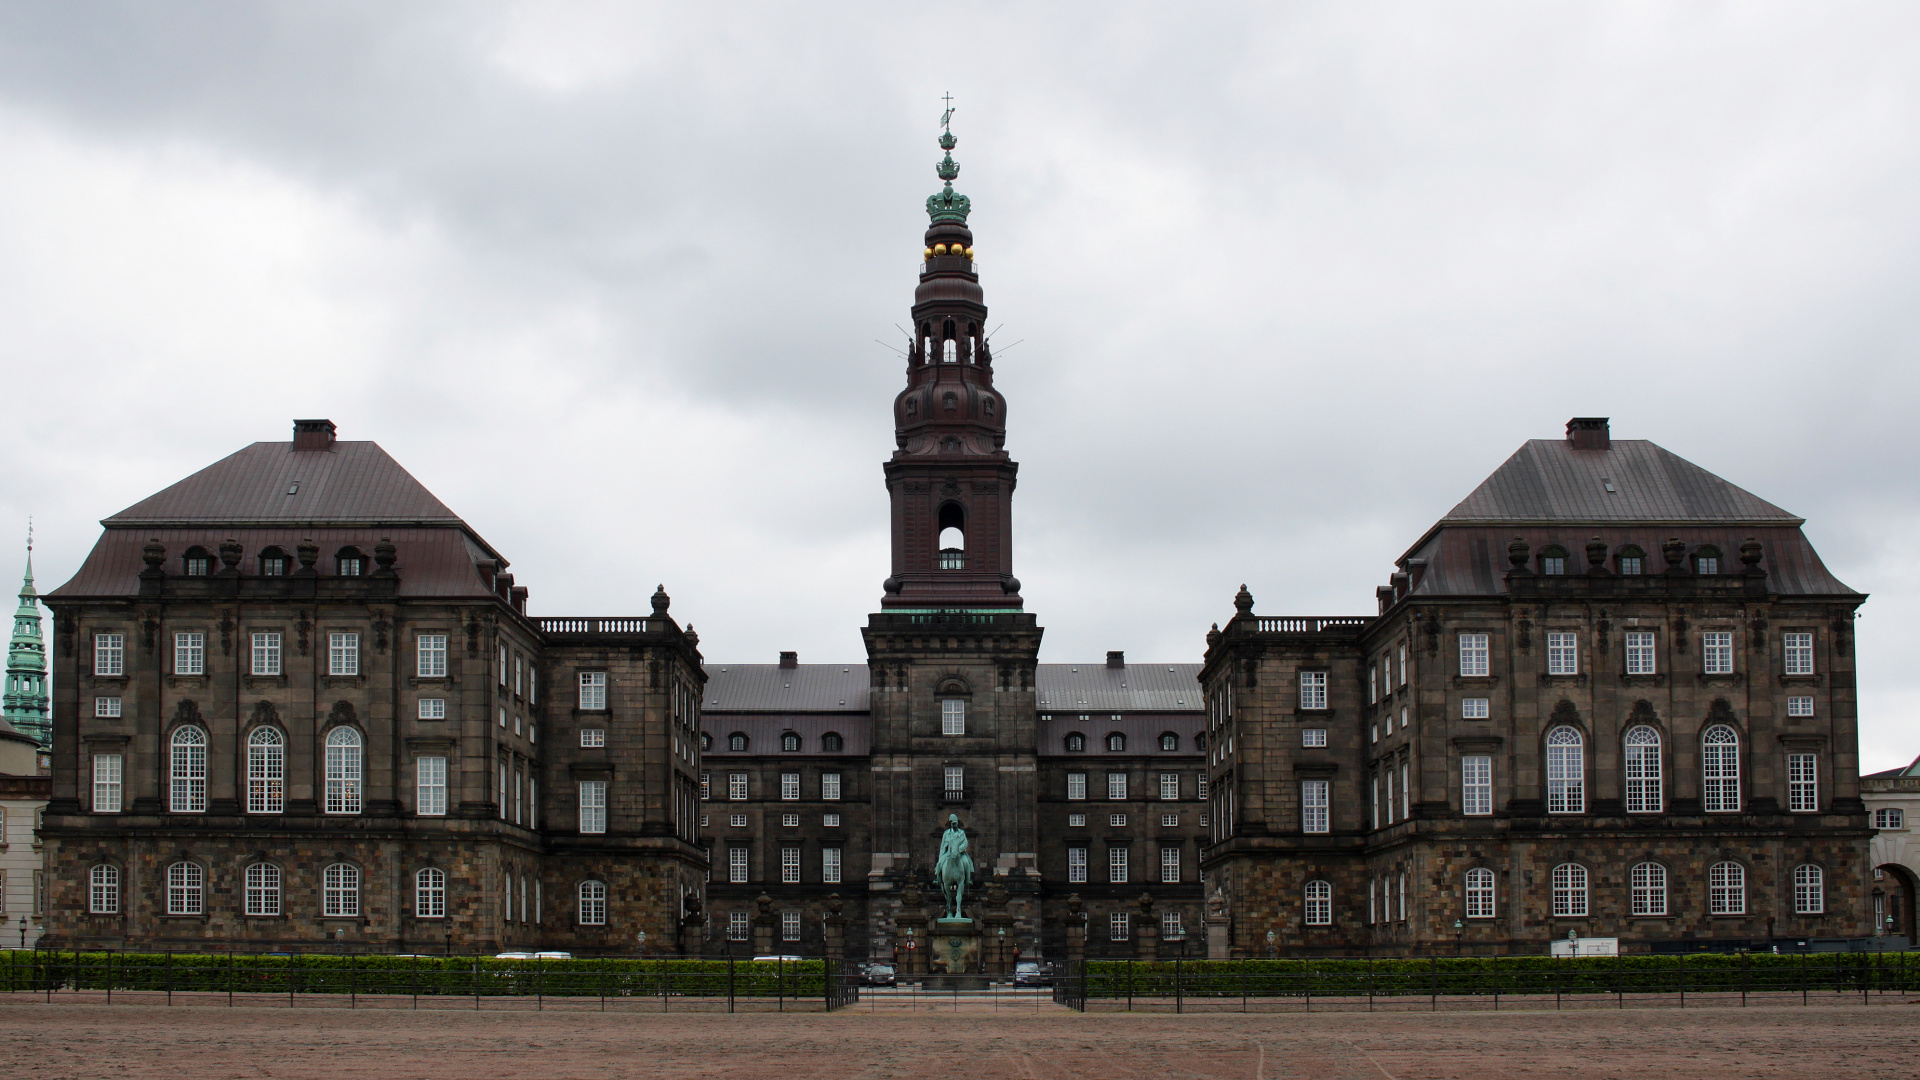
x=313, y=434
x=1589, y=433
x=1116, y=659
x=789, y=659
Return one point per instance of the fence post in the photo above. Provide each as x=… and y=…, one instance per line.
x=169, y=976
x=1496, y=981
x=1179, y=998
x=1433, y=983
x=1803, y=977
x=729, y=981
x=353, y=987
x=1309, y=983
x=1683, y=980
x=109, y=967
x=1243, y=988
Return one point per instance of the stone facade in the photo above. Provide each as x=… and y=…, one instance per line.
x=1892, y=799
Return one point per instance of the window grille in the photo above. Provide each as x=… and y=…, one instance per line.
x=1800, y=705
x=190, y=653
x=1313, y=736
x=266, y=654
x=1798, y=649
x=593, y=690
x=830, y=786
x=433, y=708
x=1076, y=821
x=109, y=654
x=830, y=865
x=1319, y=903
x=1076, y=743
x=1803, y=783
x=790, y=926
x=593, y=806
x=1566, y=772
x=789, y=786
x=343, y=771
x=103, y=890
x=430, y=786
x=1563, y=654
x=106, y=708
x=1116, y=742
x=266, y=771
x=1076, y=865
x=1169, y=786
x=1716, y=652
x=1480, y=893
x=108, y=788
x=1890, y=818
x=1809, y=890
x=593, y=903
x=1172, y=927
x=430, y=656
x=1119, y=926
x=736, y=864
x=1476, y=784
x=738, y=926
x=1648, y=883
x=593, y=736
x=1727, y=889
x=1116, y=785
x=188, y=788
x=1170, y=866
x=736, y=787
x=430, y=894
x=263, y=889
x=1644, y=778
x=1720, y=769
x=1473, y=655
x=1314, y=817
x=343, y=654
x=1313, y=690
x=1169, y=741
x=341, y=889
x=956, y=779
x=1640, y=653
x=953, y=716
x=1117, y=865
x=1570, y=891
x=790, y=865
x=186, y=884
x=1474, y=708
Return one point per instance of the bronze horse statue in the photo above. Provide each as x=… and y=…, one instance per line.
x=954, y=869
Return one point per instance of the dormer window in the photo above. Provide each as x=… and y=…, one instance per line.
x=1706, y=561
x=1116, y=742
x=273, y=563
x=706, y=741
x=196, y=562
x=350, y=563
x=789, y=742
x=1076, y=743
x=831, y=742
x=1169, y=741
x=1553, y=561
x=1632, y=561
x=737, y=741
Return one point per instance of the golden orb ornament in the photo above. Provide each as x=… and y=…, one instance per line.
x=969, y=253
x=926, y=253
x=939, y=249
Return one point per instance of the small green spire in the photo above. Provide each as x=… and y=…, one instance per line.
x=25, y=701
x=948, y=205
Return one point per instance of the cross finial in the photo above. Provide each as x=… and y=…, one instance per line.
x=946, y=118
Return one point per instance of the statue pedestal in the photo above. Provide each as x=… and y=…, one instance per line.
x=954, y=959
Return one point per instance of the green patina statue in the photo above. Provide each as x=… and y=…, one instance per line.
x=954, y=869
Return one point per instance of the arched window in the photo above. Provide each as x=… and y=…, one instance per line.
x=1116, y=741
x=1631, y=561
x=1200, y=741
x=832, y=743
x=1566, y=772
x=340, y=892
x=953, y=536
x=1648, y=882
x=1809, y=890
x=1727, y=889
x=349, y=562
x=266, y=772
x=430, y=894
x=789, y=742
x=737, y=741
x=593, y=903
x=1553, y=560
x=196, y=562
x=186, y=889
x=187, y=792
x=1706, y=560
x=1570, y=891
x=706, y=741
x=1169, y=741
x=1644, y=794
x=1480, y=893
x=1720, y=769
x=103, y=890
x=263, y=889
x=1891, y=817
x=273, y=562
x=1319, y=903
x=343, y=771
x=1076, y=742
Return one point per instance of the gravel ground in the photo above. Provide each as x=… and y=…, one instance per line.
x=96, y=1040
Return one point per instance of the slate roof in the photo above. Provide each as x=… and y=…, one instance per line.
x=1548, y=480
x=1911, y=769
x=1137, y=687
x=1091, y=687
x=772, y=688
x=349, y=483
x=431, y=562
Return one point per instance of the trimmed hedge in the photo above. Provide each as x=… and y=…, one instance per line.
x=1694, y=973
x=428, y=975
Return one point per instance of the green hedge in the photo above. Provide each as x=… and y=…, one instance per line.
x=329, y=974
x=1696, y=973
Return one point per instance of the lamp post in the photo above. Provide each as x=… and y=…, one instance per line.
x=446, y=923
x=23, y=931
x=641, y=938
x=1270, y=939
x=1458, y=929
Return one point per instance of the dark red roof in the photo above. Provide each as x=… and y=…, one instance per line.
x=349, y=483
x=431, y=562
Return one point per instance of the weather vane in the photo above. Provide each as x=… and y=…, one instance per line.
x=946, y=118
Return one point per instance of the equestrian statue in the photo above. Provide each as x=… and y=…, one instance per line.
x=954, y=869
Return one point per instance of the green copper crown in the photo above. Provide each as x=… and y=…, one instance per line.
x=948, y=204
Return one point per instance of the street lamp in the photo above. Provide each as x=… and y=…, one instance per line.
x=1270, y=938
x=641, y=937
x=1458, y=929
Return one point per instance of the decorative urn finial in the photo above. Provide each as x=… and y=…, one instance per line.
x=1243, y=601
x=661, y=601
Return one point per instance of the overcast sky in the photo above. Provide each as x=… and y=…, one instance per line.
x=1288, y=281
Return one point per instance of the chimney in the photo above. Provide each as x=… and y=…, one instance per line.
x=789, y=659
x=313, y=434
x=1589, y=433
x=1116, y=659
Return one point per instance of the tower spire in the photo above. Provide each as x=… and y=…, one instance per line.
x=25, y=701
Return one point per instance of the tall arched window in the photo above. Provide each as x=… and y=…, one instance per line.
x=187, y=791
x=1570, y=891
x=1319, y=903
x=430, y=894
x=266, y=771
x=263, y=889
x=1480, y=893
x=1076, y=742
x=340, y=888
x=1169, y=741
x=1720, y=769
x=953, y=537
x=343, y=771
x=593, y=903
x=1116, y=742
x=789, y=742
x=186, y=889
x=737, y=741
x=103, y=890
x=1566, y=772
x=1809, y=890
x=1644, y=794
x=1648, y=882
x=1727, y=889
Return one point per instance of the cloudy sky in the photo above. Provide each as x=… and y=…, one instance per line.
x=1287, y=280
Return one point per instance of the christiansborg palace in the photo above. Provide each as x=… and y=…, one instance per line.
x=299, y=701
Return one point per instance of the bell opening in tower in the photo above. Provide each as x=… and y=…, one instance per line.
x=953, y=537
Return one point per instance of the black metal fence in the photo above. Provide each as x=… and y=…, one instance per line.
x=360, y=981
x=1485, y=982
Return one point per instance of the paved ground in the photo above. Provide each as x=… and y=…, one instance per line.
x=135, y=1041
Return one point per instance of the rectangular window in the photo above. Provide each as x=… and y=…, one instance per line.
x=433, y=708
x=1076, y=785
x=185, y=889
x=1716, y=652
x=830, y=787
x=737, y=926
x=1553, y=565
x=790, y=821
x=1116, y=785
x=190, y=653
x=1169, y=821
x=1403, y=665
x=1640, y=659
x=107, y=785
x=516, y=675
x=1476, y=784
x=1563, y=654
x=1373, y=683
x=830, y=821
x=1473, y=654
x=1480, y=884
x=430, y=791
x=1389, y=778
x=1117, y=820
x=1117, y=865
x=1313, y=690
x=737, y=821
x=1648, y=885
x=1119, y=926
x=1798, y=647
x=956, y=779
x=1200, y=787
x=1313, y=806
x=593, y=690
x=737, y=865
x=706, y=786
x=1313, y=736
x=108, y=708
x=736, y=787
x=593, y=736
x=1170, y=866
x=1800, y=705
x=790, y=786
x=1803, y=783
x=789, y=926
x=1169, y=786
x=343, y=654
x=1474, y=708
x=953, y=716
x=830, y=865
x=430, y=656
x=593, y=806
x=1076, y=865
x=790, y=865
x=1631, y=565
x=266, y=654
x=109, y=654
x=1172, y=927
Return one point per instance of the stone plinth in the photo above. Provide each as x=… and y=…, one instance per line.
x=954, y=959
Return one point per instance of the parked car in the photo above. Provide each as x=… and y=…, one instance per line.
x=1031, y=973
x=771, y=959
x=879, y=974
